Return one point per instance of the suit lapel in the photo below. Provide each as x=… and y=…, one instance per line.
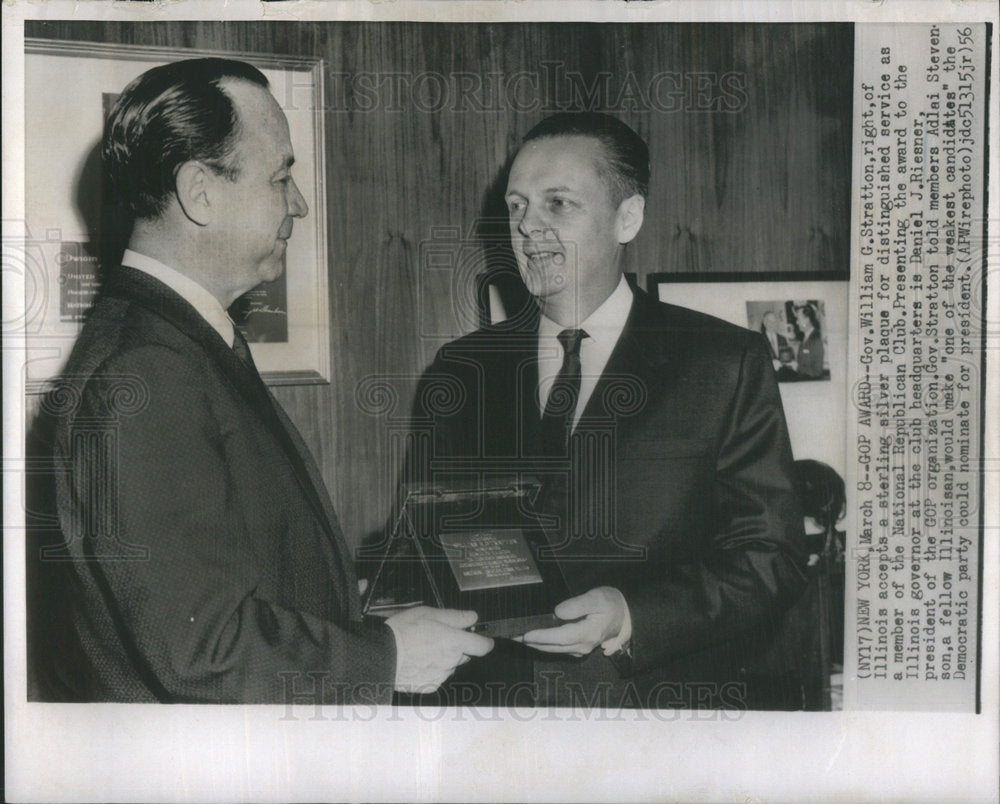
x=314, y=482
x=639, y=358
x=521, y=351
x=136, y=286
x=529, y=414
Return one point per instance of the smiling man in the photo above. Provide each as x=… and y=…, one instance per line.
x=660, y=438
x=197, y=556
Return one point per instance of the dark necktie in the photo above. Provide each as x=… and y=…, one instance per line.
x=561, y=404
x=242, y=350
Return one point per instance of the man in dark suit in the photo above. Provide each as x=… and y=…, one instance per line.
x=198, y=557
x=660, y=438
x=775, y=340
x=782, y=355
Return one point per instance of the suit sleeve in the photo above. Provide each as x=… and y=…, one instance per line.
x=187, y=605
x=752, y=569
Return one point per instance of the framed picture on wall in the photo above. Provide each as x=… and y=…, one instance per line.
x=70, y=88
x=803, y=318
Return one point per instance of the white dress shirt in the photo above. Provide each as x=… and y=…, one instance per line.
x=604, y=327
x=772, y=338
x=196, y=295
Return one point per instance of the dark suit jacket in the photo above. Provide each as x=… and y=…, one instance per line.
x=197, y=556
x=677, y=491
x=810, y=356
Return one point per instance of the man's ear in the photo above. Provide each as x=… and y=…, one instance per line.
x=630, y=217
x=194, y=182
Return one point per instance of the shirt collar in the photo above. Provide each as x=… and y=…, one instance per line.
x=605, y=324
x=207, y=306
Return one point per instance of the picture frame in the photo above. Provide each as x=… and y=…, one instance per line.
x=287, y=322
x=816, y=402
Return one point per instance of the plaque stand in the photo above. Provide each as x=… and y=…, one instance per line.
x=477, y=546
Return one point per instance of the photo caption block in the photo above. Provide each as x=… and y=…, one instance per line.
x=917, y=340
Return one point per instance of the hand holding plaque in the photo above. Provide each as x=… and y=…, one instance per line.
x=590, y=620
x=430, y=644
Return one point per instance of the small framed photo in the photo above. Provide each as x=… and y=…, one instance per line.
x=795, y=331
x=803, y=319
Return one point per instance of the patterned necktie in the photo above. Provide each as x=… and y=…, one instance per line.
x=242, y=350
x=557, y=419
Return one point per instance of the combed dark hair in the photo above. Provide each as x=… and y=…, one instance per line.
x=167, y=116
x=626, y=154
x=812, y=315
x=821, y=491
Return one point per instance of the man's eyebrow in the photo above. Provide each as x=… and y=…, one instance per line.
x=562, y=188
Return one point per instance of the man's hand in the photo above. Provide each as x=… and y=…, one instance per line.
x=599, y=615
x=431, y=643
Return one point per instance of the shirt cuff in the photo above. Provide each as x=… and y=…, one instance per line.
x=619, y=642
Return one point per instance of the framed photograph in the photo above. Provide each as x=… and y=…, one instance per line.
x=70, y=88
x=796, y=335
x=803, y=317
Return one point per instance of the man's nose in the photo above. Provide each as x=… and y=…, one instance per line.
x=297, y=206
x=531, y=222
